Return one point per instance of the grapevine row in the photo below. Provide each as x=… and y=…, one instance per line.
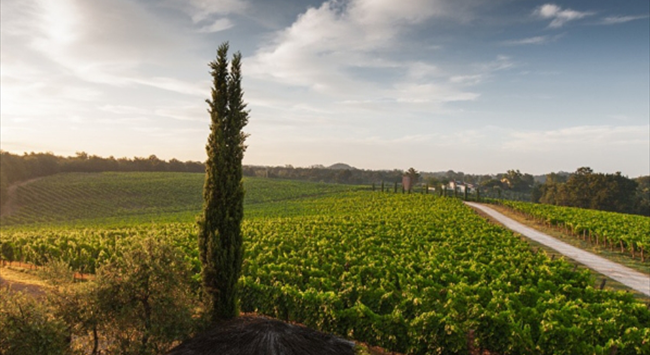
x=629, y=233
x=411, y=273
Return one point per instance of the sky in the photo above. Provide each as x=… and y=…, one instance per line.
x=468, y=85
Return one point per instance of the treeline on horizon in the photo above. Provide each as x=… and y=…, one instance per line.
x=583, y=188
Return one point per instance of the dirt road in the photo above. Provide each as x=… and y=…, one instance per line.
x=9, y=206
x=630, y=278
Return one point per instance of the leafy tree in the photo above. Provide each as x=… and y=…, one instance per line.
x=516, y=181
x=643, y=195
x=586, y=189
x=220, y=237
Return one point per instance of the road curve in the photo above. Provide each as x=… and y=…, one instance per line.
x=630, y=278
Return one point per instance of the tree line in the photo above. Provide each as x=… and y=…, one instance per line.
x=319, y=173
x=598, y=191
x=583, y=188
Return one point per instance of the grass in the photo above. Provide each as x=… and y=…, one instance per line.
x=23, y=275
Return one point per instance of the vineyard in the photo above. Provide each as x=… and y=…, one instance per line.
x=139, y=197
x=629, y=233
x=412, y=273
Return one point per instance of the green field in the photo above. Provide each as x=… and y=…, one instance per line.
x=140, y=197
x=412, y=273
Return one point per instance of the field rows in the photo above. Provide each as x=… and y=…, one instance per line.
x=627, y=232
x=146, y=196
x=411, y=273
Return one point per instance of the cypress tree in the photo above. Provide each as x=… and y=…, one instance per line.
x=220, y=237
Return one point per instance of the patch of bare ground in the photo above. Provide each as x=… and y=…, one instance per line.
x=21, y=280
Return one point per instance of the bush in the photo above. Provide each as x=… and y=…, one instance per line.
x=145, y=299
x=28, y=327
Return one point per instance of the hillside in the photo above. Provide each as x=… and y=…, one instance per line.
x=123, y=197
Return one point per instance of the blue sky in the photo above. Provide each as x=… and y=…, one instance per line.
x=473, y=86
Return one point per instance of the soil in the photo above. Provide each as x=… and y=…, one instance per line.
x=15, y=286
x=263, y=336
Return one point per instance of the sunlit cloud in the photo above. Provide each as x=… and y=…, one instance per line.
x=218, y=25
x=586, y=137
x=201, y=10
x=614, y=20
x=325, y=44
x=559, y=16
x=536, y=40
x=342, y=80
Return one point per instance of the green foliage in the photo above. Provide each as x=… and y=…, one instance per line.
x=586, y=189
x=412, y=273
x=27, y=327
x=146, y=298
x=629, y=232
x=141, y=303
x=516, y=181
x=643, y=195
x=220, y=239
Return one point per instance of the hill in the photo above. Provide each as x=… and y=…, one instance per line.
x=122, y=197
x=341, y=166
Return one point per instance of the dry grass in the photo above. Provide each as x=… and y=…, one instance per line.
x=23, y=280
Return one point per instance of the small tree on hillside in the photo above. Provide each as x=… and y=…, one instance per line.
x=220, y=239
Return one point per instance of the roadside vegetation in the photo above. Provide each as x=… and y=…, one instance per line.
x=628, y=234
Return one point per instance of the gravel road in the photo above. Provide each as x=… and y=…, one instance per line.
x=630, y=278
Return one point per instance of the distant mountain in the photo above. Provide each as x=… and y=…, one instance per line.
x=341, y=166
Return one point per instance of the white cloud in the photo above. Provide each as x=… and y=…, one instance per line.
x=558, y=15
x=179, y=111
x=209, y=16
x=97, y=41
x=218, y=25
x=201, y=10
x=467, y=79
x=613, y=20
x=581, y=137
x=531, y=40
x=325, y=44
x=423, y=93
x=172, y=84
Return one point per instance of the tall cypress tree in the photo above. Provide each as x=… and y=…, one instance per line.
x=220, y=238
